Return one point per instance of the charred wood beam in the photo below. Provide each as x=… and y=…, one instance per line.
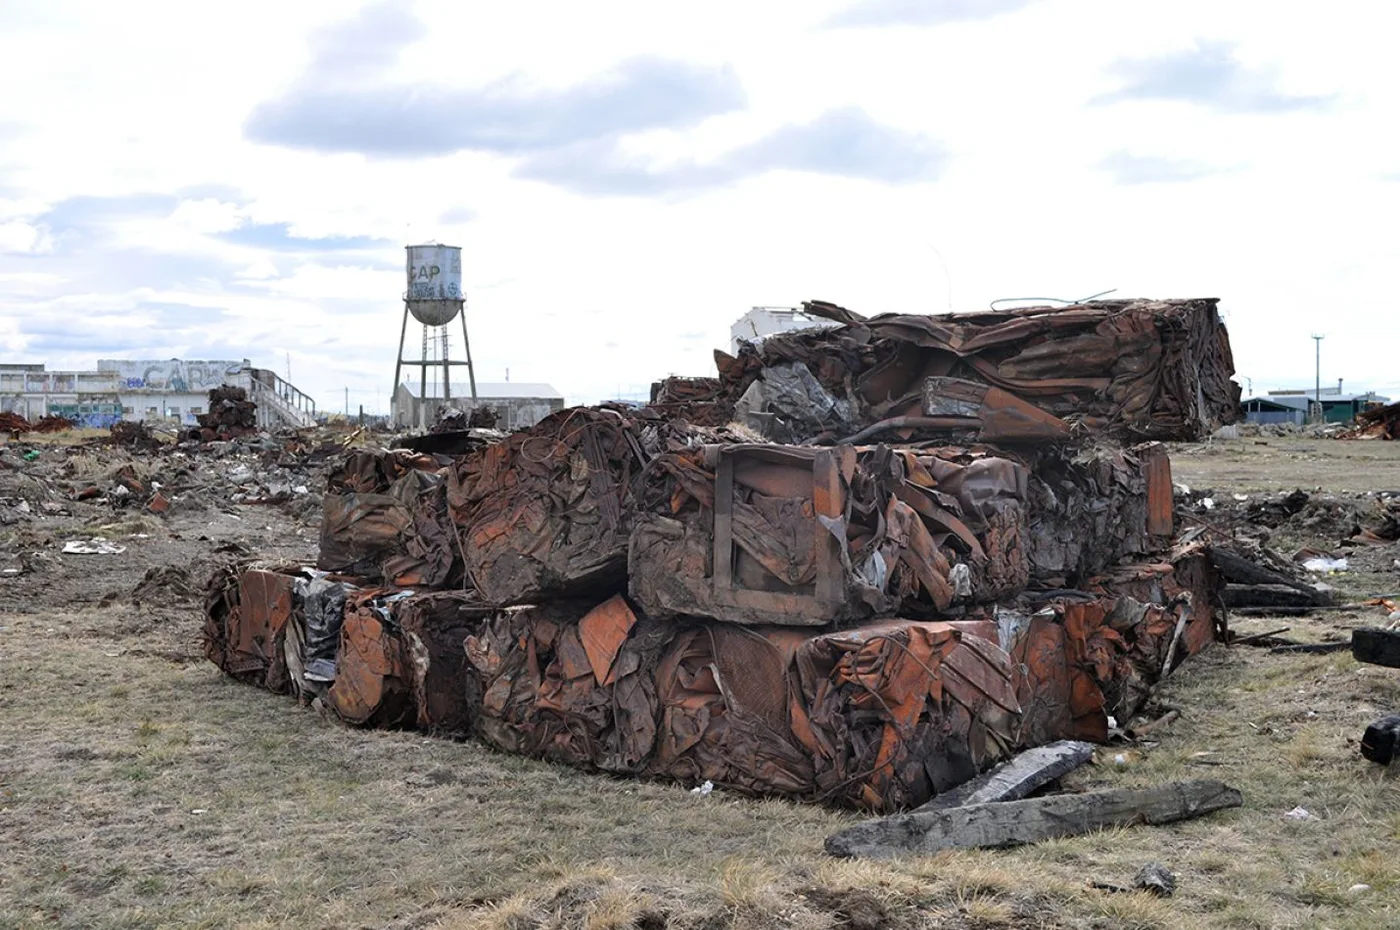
x=1013, y=823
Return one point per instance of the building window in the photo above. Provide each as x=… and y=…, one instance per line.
x=128, y=410
x=175, y=412
x=196, y=411
x=152, y=411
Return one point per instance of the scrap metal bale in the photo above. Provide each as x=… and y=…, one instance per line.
x=1091, y=506
x=790, y=535
x=373, y=684
x=385, y=518
x=548, y=511
x=571, y=682
x=1129, y=369
x=246, y=615
x=446, y=690
x=898, y=711
x=1085, y=656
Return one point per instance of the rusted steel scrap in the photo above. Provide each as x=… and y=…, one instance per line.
x=14, y=423
x=381, y=657
x=1129, y=369
x=548, y=511
x=231, y=415
x=1376, y=423
x=880, y=716
x=385, y=519
x=955, y=542
x=791, y=535
x=810, y=536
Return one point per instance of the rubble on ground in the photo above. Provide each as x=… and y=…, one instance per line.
x=1376, y=423
x=953, y=541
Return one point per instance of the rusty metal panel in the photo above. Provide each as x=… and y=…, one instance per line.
x=1160, y=494
x=373, y=676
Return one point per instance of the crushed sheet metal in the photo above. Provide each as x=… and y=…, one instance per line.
x=1130, y=369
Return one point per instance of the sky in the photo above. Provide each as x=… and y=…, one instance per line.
x=626, y=179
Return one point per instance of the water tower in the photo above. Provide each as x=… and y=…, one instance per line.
x=434, y=298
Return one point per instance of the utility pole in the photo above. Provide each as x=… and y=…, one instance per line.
x=1317, y=384
x=347, y=402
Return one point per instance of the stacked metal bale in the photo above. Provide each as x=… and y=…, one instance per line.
x=954, y=541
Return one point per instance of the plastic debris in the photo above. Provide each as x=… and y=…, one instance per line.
x=92, y=547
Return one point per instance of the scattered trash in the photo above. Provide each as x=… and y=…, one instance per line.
x=1381, y=741
x=1325, y=565
x=1299, y=813
x=92, y=547
x=704, y=790
x=1155, y=878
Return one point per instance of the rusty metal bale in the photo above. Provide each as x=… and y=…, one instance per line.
x=548, y=511
x=385, y=519
x=1127, y=369
x=791, y=535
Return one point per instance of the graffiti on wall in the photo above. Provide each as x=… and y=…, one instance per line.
x=173, y=376
x=88, y=415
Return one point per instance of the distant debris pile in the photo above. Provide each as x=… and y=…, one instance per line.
x=231, y=415
x=1376, y=423
x=133, y=434
x=16, y=424
x=52, y=424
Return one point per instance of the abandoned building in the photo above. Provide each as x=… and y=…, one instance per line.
x=166, y=390
x=517, y=404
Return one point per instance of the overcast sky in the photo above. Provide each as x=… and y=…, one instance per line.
x=627, y=178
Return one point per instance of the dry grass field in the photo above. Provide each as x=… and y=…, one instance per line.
x=139, y=788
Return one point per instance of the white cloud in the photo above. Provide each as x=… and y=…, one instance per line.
x=24, y=238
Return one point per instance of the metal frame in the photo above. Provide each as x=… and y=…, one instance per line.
x=828, y=499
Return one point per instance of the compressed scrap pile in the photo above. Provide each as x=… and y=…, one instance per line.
x=231, y=415
x=870, y=624
x=1129, y=369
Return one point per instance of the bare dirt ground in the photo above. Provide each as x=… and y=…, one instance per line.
x=140, y=788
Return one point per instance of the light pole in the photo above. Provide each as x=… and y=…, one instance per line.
x=1317, y=370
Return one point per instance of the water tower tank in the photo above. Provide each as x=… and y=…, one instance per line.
x=434, y=293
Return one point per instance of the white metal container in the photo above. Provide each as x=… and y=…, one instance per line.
x=434, y=291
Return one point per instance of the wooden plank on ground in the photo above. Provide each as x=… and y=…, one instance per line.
x=1016, y=778
x=1012, y=823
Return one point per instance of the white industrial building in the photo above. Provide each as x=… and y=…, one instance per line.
x=517, y=404
x=765, y=321
x=171, y=391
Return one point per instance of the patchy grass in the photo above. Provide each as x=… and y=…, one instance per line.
x=137, y=790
